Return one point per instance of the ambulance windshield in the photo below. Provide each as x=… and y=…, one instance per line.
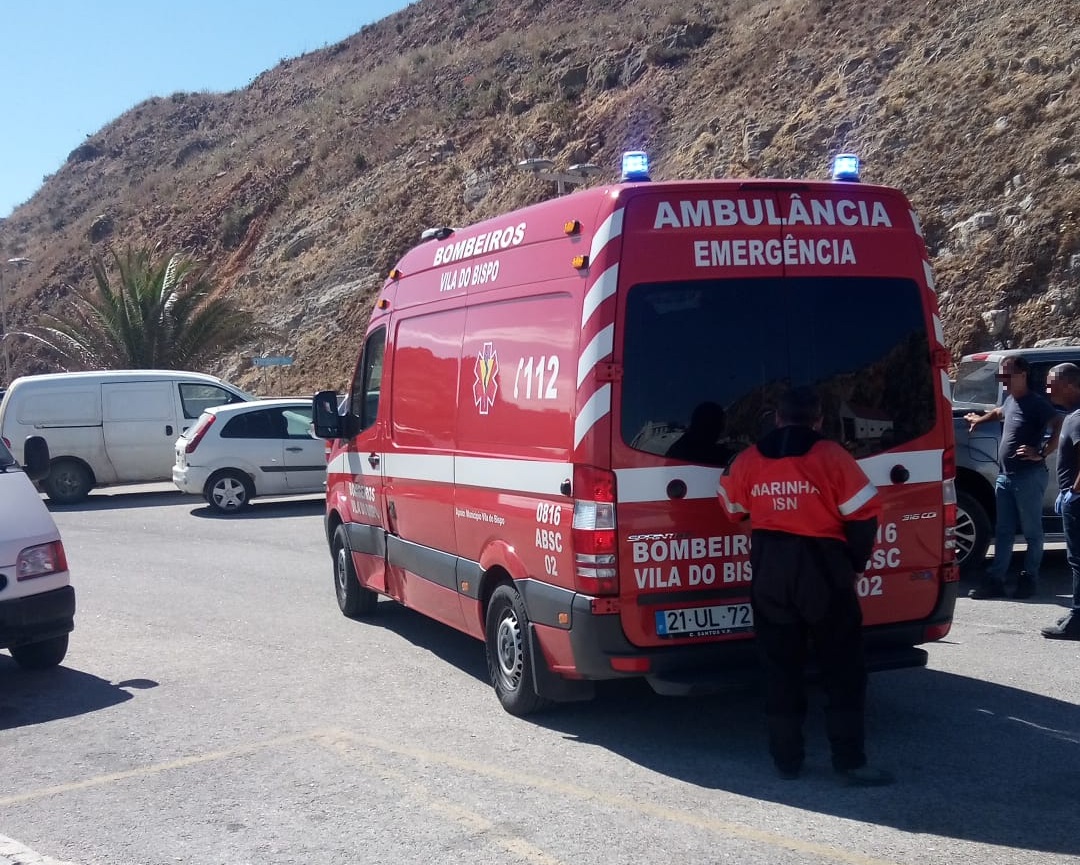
x=705, y=361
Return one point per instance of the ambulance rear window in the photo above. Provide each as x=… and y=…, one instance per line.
x=705, y=361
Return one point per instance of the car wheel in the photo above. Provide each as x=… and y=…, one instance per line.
x=68, y=482
x=228, y=491
x=973, y=531
x=509, y=656
x=353, y=600
x=41, y=656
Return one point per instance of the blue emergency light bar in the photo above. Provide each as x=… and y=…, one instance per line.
x=635, y=165
x=846, y=167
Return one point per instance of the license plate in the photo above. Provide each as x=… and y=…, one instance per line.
x=704, y=621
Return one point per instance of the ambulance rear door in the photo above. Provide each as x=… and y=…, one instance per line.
x=729, y=293
x=686, y=334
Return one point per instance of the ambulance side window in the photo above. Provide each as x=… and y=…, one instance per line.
x=367, y=384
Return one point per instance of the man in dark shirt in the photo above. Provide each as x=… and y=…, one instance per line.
x=1063, y=384
x=1022, y=478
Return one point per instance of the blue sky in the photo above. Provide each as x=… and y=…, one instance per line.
x=69, y=67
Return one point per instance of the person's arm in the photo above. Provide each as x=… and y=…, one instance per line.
x=729, y=493
x=860, y=536
x=1055, y=434
x=974, y=418
x=1035, y=454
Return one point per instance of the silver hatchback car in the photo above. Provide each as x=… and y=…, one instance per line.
x=235, y=453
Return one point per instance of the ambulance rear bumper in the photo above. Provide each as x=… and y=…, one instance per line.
x=601, y=651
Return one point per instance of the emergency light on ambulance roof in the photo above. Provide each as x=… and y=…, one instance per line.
x=846, y=167
x=635, y=165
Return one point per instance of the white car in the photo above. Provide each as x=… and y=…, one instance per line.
x=262, y=448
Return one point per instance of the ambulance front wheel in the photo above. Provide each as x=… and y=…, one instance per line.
x=509, y=656
x=353, y=599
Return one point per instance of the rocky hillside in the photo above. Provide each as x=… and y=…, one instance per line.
x=302, y=189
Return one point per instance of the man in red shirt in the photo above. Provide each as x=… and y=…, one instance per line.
x=814, y=517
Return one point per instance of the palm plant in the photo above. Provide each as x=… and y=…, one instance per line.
x=158, y=314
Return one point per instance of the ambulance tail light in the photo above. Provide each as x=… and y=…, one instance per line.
x=948, y=500
x=196, y=435
x=593, y=532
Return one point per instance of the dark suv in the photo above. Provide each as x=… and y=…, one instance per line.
x=976, y=388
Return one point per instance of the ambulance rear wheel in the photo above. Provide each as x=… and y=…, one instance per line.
x=353, y=599
x=509, y=657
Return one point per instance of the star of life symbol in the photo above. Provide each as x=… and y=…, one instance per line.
x=486, y=386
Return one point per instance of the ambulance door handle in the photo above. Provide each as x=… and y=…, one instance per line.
x=373, y=460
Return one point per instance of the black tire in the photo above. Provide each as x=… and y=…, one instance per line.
x=509, y=656
x=228, y=491
x=41, y=656
x=353, y=600
x=973, y=532
x=68, y=482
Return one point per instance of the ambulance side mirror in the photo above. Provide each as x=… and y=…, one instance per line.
x=325, y=420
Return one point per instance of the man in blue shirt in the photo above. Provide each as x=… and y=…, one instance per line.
x=1022, y=478
x=1063, y=385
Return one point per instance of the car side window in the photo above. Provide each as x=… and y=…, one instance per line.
x=297, y=422
x=263, y=424
x=196, y=398
x=367, y=383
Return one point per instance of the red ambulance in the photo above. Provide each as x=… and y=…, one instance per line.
x=544, y=402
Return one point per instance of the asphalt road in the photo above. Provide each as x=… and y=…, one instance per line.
x=216, y=708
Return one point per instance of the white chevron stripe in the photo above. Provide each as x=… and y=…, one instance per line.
x=599, y=348
x=609, y=229
x=599, y=291
x=598, y=405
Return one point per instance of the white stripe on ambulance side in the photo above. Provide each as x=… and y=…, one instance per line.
x=436, y=468
x=924, y=467
x=598, y=348
x=634, y=485
x=929, y=274
x=520, y=476
x=599, y=291
x=609, y=229
x=598, y=405
x=650, y=484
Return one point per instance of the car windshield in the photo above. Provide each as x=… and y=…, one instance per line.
x=6, y=459
x=976, y=382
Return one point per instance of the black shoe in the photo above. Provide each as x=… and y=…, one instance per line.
x=865, y=776
x=1026, y=586
x=1067, y=628
x=988, y=589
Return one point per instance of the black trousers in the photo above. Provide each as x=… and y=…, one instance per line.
x=838, y=647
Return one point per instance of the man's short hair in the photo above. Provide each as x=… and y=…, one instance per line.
x=1066, y=372
x=799, y=406
x=1019, y=362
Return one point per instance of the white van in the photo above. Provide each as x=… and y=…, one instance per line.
x=37, y=602
x=108, y=427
